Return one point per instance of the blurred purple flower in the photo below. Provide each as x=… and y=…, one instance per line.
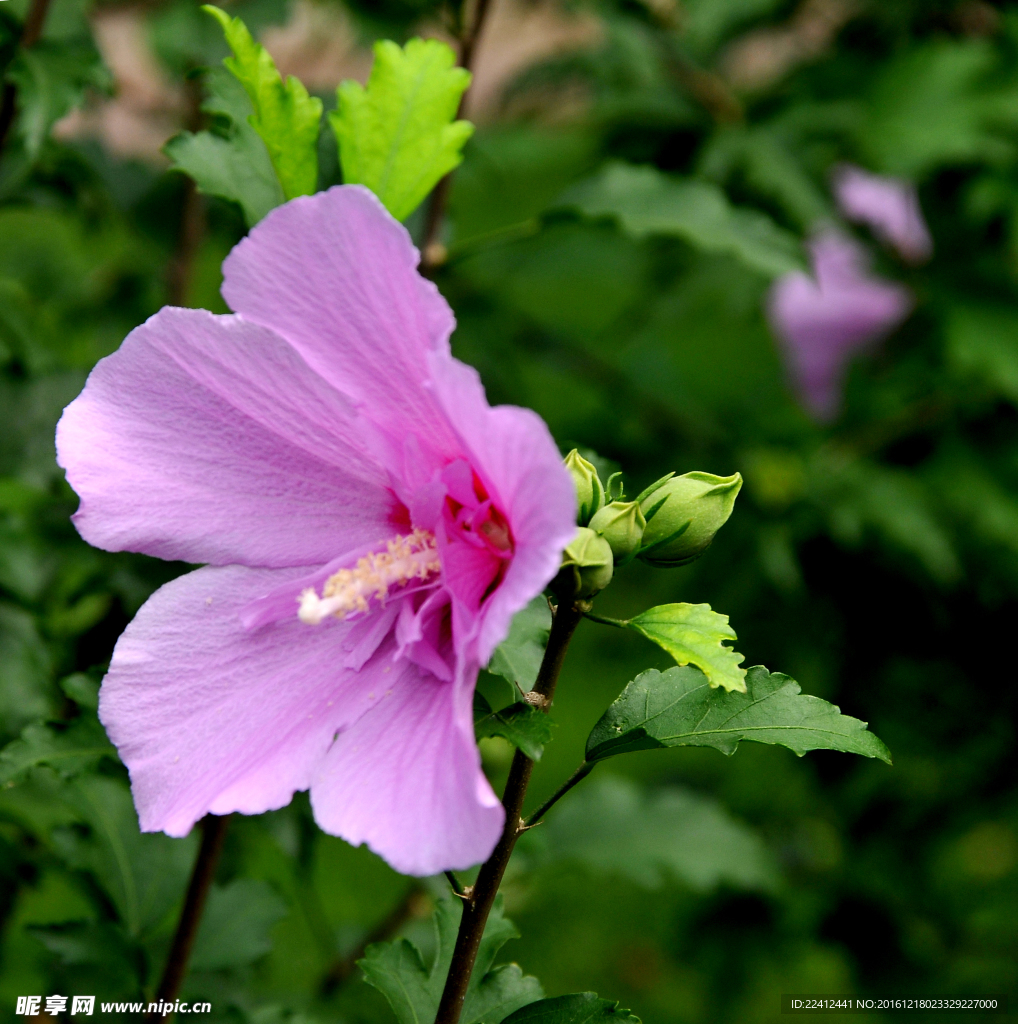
x=888, y=206
x=371, y=525
x=824, y=320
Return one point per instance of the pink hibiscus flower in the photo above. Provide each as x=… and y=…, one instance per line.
x=823, y=321
x=370, y=526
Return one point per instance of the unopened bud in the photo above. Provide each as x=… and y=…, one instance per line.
x=621, y=524
x=587, y=563
x=683, y=513
x=589, y=490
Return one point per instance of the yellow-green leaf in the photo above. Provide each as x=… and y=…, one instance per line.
x=398, y=136
x=285, y=116
x=693, y=634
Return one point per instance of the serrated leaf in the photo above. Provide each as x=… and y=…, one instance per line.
x=694, y=634
x=521, y=724
x=518, y=657
x=285, y=116
x=398, y=136
x=579, y=1008
x=231, y=160
x=646, y=201
x=143, y=874
x=67, y=748
x=650, y=836
x=51, y=79
x=679, y=708
x=235, y=928
x=413, y=990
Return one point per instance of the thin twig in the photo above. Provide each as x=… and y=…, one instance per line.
x=456, y=885
x=407, y=909
x=432, y=250
x=213, y=834
x=477, y=907
x=578, y=776
x=30, y=32
x=605, y=621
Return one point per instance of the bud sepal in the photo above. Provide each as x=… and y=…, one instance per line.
x=621, y=524
x=683, y=514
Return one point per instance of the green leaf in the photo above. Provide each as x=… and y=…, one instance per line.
x=983, y=341
x=143, y=874
x=647, y=202
x=235, y=928
x=397, y=970
x=67, y=748
x=231, y=160
x=398, y=135
x=521, y=724
x=679, y=708
x=693, y=634
x=518, y=657
x=285, y=116
x=51, y=79
x=579, y=1008
x=649, y=836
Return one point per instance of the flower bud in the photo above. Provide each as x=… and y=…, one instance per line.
x=621, y=524
x=683, y=513
x=589, y=490
x=587, y=563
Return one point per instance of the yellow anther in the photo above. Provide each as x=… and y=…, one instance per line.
x=405, y=558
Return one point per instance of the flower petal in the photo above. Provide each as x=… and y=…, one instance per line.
x=406, y=780
x=516, y=458
x=337, y=276
x=208, y=439
x=208, y=715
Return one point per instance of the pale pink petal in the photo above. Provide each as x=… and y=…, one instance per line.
x=337, y=276
x=208, y=439
x=208, y=715
x=889, y=206
x=406, y=779
x=514, y=455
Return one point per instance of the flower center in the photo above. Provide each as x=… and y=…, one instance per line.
x=405, y=558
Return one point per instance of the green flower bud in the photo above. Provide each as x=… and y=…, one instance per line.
x=587, y=563
x=589, y=490
x=621, y=524
x=683, y=513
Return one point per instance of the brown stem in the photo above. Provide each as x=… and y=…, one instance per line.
x=414, y=904
x=213, y=833
x=192, y=213
x=30, y=33
x=432, y=250
x=482, y=896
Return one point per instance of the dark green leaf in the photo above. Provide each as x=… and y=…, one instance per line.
x=397, y=970
x=579, y=1008
x=518, y=657
x=82, y=689
x=143, y=874
x=235, y=928
x=647, y=202
x=613, y=825
x=521, y=724
x=67, y=748
x=231, y=161
x=680, y=708
x=51, y=79
x=398, y=136
x=693, y=634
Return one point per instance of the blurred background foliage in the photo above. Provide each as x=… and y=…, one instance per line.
x=874, y=558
